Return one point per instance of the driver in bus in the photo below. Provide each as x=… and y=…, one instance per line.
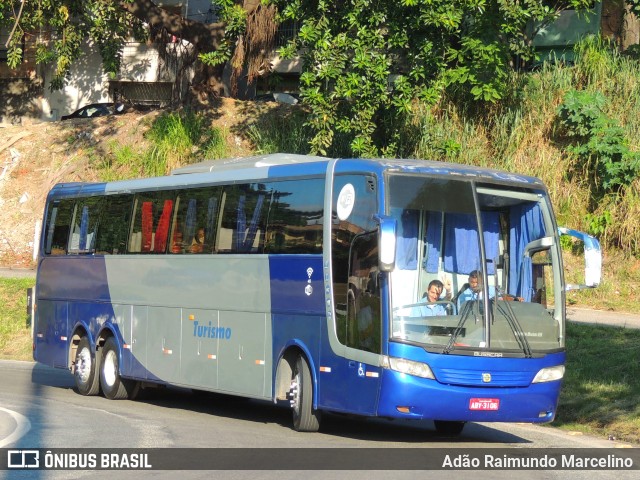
x=432, y=295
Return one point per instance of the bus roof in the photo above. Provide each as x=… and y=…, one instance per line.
x=373, y=165
x=258, y=161
x=283, y=165
x=434, y=167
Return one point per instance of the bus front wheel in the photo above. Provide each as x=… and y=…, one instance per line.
x=86, y=369
x=448, y=428
x=305, y=418
x=113, y=386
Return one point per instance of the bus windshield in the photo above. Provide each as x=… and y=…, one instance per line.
x=477, y=268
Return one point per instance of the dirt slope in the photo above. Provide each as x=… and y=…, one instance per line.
x=34, y=157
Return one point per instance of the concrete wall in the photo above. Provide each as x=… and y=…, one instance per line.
x=20, y=98
x=86, y=84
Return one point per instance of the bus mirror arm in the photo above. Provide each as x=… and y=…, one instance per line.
x=592, y=258
x=386, y=242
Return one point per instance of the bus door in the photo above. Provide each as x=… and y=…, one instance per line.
x=356, y=290
x=364, y=325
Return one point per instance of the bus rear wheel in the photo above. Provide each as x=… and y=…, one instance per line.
x=86, y=369
x=305, y=418
x=113, y=386
x=448, y=428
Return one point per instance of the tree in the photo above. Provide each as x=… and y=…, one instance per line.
x=59, y=28
x=367, y=61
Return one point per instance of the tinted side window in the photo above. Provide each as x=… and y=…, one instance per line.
x=244, y=211
x=151, y=221
x=195, y=222
x=56, y=233
x=85, y=225
x=113, y=230
x=294, y=223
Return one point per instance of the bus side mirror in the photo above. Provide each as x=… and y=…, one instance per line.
x=592, y=258
x=387, y=243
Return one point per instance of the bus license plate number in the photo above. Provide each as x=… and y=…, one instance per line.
x=484, y=404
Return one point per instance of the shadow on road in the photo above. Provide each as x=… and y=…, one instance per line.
x=345, y=426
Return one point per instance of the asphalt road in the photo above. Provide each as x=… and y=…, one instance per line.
x=40, y=409
x=17, y=273
x=602, y=317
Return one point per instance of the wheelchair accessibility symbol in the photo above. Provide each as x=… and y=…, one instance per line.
x=361, y=370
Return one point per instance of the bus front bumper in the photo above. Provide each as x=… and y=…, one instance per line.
x=407, y=396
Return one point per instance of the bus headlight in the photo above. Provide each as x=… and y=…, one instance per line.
x=549, y=374
x=409, y=367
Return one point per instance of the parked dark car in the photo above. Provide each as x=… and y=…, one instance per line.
x=96, y=110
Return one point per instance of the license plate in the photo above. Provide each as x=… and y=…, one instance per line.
x=484, y=404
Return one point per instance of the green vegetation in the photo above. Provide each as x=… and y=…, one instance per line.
x=366, y=63
x=15, y=333
x=284, y=133
x=601, y=393
x=176, y=139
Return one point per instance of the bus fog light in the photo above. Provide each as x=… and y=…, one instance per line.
x=549, y=374
x=409, y=367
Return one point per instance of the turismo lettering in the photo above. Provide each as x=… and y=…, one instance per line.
x=210, y=331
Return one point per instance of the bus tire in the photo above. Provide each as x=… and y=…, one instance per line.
x=86, y=371
x=305, y=418
x=113, y=385
x=449, y=428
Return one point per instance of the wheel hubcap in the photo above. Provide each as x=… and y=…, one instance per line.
x=83, y=365
x=110, y=365
x=294, y=394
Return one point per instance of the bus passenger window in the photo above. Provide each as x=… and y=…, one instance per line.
x=114, y=225
x=152, y=218
x=85, y=225
x=195, y=221
x=58, y=226
x=294, y=222
x=243, y=219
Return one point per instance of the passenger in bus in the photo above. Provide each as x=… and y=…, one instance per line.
x=197, y=246
x=176, y=244
x=473, y=291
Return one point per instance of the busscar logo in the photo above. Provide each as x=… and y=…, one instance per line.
x=23, y=459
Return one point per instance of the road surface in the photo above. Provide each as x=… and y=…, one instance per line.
x=40, y=409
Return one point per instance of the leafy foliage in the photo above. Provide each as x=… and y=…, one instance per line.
x=367, y=61
x=234, y=17
x=598, y=141
x=61, y=27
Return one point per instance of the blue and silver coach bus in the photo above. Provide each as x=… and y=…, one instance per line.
x=303, y=280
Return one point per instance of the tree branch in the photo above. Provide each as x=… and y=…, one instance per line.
x=15, y=25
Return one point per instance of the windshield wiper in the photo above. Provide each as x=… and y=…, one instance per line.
x=467, y=310
x=516, y=329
